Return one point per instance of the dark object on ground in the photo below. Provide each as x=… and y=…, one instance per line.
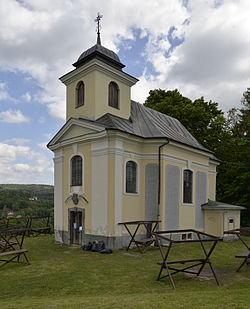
x=87, y=247
x=108, y=251
x=96, y=246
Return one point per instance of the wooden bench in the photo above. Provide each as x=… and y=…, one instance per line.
x=133, y=227
x=244, y=255
x=35, y=225
x=40, y=230
x=15, y=255
x=244, y=231
x=44, y=229
x=171, y=267
x=11, y=246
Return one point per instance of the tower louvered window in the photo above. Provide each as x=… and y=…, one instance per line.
x=113, y=95
x=76, y=171
x=131, y=177
x=80, y=94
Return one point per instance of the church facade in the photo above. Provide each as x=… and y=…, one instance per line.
x=116, y=160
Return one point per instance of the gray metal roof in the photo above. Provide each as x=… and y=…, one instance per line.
x=100, y=52
x=148, y=123
x=214, y=205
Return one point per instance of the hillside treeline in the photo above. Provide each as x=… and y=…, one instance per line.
x=26, y=200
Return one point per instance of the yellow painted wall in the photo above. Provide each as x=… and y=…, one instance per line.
x=75, y=131
x=231, y=214
x=133, y=205
x=67, y=189
x=101, y=94
x=214, y=222
x=133, y=202
x=212, y=187
x=186, y=212
x=96, y=86
x=88, y=109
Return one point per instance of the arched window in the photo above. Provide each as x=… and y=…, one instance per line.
x=131, y=177
x=113, y=95
x=80, y=94
x=187, y=187
x=76, y=171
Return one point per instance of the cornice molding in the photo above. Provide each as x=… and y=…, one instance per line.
x=98, y=65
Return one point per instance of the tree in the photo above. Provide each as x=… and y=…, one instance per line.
x=237, y=171
x=202, y=119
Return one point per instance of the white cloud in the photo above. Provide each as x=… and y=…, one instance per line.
x=43, y=145
x=21, y=164
x=18, y=141
x=4, y=95
x=44, y=37
x=214, y=59
x=3, y=92
x=26, y=97
x=13, y=116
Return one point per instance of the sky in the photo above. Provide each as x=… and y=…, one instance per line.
x=200, y=47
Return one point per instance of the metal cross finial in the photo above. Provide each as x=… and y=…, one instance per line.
x=98, y=18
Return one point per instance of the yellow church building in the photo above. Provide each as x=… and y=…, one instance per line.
x=116, y=160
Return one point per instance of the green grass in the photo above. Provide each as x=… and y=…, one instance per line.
x=64, y=277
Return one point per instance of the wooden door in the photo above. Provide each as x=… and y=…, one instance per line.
x=76, y=227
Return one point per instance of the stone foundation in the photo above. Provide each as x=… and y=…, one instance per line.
x=111, y=242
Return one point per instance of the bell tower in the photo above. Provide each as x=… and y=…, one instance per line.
x=98, y=85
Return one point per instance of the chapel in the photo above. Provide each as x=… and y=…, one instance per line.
x=116, y=160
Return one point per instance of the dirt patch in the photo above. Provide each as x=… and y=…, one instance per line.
x=206, y=274
x=133, y=255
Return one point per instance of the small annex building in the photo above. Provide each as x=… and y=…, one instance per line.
x=116, y=160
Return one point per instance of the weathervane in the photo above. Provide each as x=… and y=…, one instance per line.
x=98, y=28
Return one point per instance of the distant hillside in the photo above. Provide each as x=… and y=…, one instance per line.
x=41, y=191
x=26, y=200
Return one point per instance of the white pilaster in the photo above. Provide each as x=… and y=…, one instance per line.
x=58, y=194
x=118, y=186
x=99, y=187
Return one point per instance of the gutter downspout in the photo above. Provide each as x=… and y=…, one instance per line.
x=159, y=179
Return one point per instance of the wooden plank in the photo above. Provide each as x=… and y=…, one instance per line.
x=182, y=261
x=13, y=252
x=145, y=240
x=243, y=254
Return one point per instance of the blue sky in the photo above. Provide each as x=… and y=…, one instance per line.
x=202, y=48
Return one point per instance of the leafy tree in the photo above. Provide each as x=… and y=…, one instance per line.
x=237, y=168
x=202, y=119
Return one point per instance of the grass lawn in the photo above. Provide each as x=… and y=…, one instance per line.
x=61, y=276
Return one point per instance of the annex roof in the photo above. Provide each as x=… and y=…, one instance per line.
x=214, y=205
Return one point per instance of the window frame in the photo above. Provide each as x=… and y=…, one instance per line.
x=183, y=187
x=77, y=94
x=137, y=177
x=71, y=171
x=109, y=96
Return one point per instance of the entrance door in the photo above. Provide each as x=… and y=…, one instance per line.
x=76, y=227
